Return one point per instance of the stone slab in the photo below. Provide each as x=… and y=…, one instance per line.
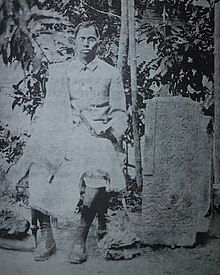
x=177, y=172
x=13, y=225
x=25, y=245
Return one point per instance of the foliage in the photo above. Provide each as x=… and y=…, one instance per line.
x=185, y=53
x=30, y=91
x=11, y=146
x=36, y=32
x=21, y=23
x=15, y=41
x=133, y=196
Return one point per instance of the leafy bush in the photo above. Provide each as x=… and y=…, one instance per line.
x=30, y=91
x=11, y=146
x=185, y=51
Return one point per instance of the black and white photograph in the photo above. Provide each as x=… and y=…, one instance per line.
x=109, y=137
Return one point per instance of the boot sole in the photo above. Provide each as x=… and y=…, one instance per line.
x=51, y=251
x=78, y=261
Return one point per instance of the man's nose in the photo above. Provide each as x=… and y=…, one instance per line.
x=86, y=43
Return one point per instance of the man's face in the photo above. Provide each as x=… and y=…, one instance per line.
x=87, y=43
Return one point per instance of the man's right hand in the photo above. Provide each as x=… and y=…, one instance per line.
x=13, y=181
x=23, y=182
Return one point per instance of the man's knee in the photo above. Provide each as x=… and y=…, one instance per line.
x=89, y=196
x=96, y=198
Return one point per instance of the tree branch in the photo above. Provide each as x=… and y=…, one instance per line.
x=102, y=12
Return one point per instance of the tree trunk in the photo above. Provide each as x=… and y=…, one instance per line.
x=123, y=40
x=217, y=95
x=123, y=51
x=133, y=65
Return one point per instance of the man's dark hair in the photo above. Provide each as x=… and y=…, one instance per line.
x=87, y=24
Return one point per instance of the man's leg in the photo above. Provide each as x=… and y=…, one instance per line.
x=46, y=245
x=102, y=208
x=91, y=206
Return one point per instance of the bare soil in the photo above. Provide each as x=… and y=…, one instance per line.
x=204, y=258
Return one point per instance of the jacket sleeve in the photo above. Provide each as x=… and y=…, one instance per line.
x=117, y=103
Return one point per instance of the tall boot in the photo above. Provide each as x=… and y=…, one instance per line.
x=78, y=253
x=101, y=234
x=46, y=245
x=102, y=209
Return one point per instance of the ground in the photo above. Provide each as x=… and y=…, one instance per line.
x=202, y=259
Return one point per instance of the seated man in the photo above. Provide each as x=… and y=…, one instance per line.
x=76, y=140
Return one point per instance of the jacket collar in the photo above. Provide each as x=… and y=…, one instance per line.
x=91, y=66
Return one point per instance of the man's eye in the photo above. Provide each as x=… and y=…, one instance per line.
x=91, y=39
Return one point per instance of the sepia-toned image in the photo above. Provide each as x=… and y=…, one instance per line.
x=109, y=137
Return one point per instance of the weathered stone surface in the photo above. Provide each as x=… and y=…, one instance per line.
x=177, y=172
x=24, y=245
x=13, y=225
x=120, y=245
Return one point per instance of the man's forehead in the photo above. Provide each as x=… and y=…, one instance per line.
x=87, y=31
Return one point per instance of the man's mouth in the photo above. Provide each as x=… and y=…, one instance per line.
x=85, y=51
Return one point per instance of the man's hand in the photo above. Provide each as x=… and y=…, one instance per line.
x=118, y=123
x=108, y=134
x=110, y=189
x=23, y=182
